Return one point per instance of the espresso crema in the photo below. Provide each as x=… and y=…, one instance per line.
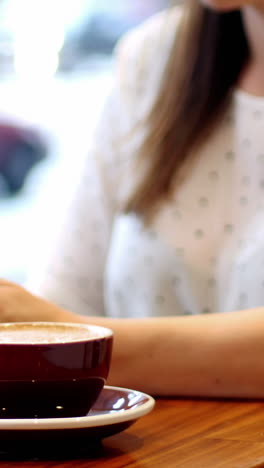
x=47, y=333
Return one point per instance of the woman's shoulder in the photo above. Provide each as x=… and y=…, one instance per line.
x=141, y=56
x=158, y=29
x=142, y=53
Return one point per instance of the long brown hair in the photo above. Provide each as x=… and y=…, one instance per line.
x=207, y=57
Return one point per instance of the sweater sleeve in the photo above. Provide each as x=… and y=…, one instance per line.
x=70, y=269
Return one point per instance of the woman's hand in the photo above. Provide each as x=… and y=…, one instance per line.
x=18, y=305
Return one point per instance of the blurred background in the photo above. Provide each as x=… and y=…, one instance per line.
x=55, y=72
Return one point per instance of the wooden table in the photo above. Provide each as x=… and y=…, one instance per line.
x=179, y=434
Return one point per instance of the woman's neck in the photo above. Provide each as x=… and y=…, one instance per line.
x=252, y=80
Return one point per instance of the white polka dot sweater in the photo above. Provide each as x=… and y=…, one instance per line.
x=204, y=251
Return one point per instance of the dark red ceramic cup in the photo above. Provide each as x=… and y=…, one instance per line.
x=52, y=369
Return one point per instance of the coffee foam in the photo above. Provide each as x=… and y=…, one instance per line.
x=39, y=333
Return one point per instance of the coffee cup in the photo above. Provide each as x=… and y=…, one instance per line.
x=51, y=369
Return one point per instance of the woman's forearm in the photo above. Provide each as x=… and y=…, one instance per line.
x=215, y=355
x=218, y=355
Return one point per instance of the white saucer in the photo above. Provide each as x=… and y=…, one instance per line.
x=115, y=410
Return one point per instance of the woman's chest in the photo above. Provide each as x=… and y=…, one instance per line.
x=208, y=240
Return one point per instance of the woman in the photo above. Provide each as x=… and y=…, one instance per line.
x=166, y=230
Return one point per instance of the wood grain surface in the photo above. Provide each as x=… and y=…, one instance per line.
x=177, y=434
